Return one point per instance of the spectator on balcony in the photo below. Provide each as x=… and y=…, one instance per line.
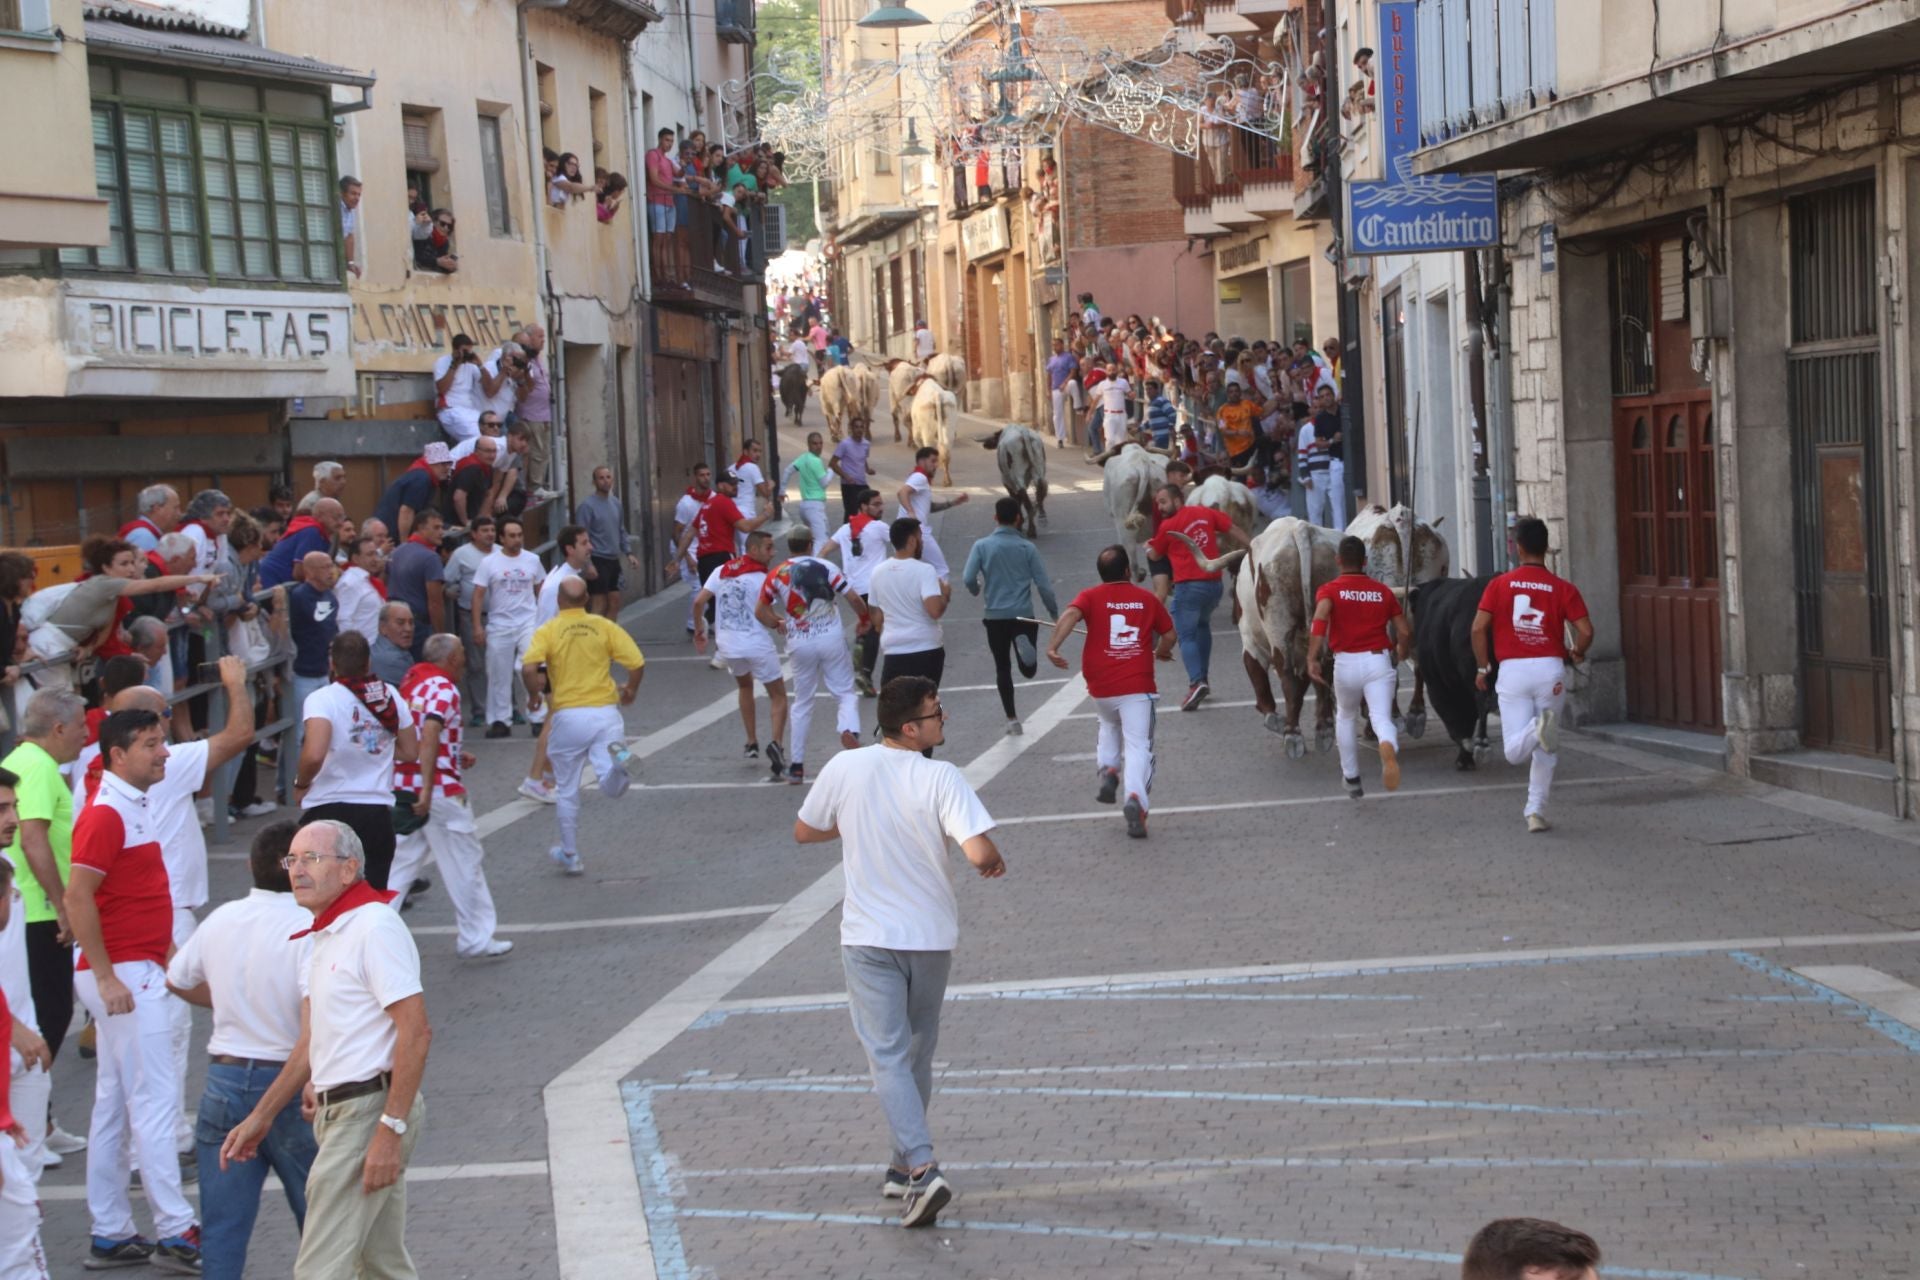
x=434, y=251
x=350, y=223
x=983, y=174
x=549, y=163
x=609, y=189
x=664, y=248
x=740, y=173
x=567, y=183
x=1216, y=135
x=730, y=245
x=501, y=376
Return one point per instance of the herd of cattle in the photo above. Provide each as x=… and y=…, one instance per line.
x=1273, y=593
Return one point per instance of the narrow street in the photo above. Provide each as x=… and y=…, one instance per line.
x=1289, y=1034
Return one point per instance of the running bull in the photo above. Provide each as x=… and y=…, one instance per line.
x=1443, y=655
x=1128, y=482
x=1022, y=456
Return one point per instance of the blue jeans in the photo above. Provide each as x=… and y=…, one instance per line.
x=1193, y=606
x=230, y=1197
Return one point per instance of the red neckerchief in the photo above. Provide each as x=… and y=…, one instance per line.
x=298, y=523
x=356, y=895
x=139, y=522
x=744, y=460
x=153, y=558
x=740, y=566
x=473, y=460
x=693, y=491
x=859, y=522
x=423, y=542
x=95, y=717
x=378, y=584
x=373, y=696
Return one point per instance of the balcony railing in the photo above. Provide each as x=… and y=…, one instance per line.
x=703, y=265
x=733, y=21
x=1248, y=159
x=1483, y=61
x=1004, y=178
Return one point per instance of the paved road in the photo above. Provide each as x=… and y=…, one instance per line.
x=1288, y=1035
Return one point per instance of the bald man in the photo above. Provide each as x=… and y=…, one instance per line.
x=183, y=845
x=313, y=615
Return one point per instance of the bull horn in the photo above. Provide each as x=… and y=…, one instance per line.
x=1241, y=471
x=991, y=442
x=1200, y=558
x=1437, y=522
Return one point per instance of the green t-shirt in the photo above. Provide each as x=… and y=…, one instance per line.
x=736, y=176
x=812, y=473
x=43, y=796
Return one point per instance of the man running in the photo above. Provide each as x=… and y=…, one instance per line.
x=1352, y=615
x=732, y=594
x=916, y=500
x=711, y=535
x=754, y=489
x=578, y=649
x=685, y=510
x=1123, y=622
x=893, y=812
x=506, y=591
x=1523, y=620
x=812, y=472
x=910, y=599
x=803, y=595
x=1014, y=571
x=1196, y=589
x=863, y=543
x=850, y=463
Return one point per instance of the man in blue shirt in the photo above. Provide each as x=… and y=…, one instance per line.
x=312, y=532
x=1014, y=571
x=1061, y=367
x=1160, y=415
x=416, y=577
x=417, y=489
x=313, y=620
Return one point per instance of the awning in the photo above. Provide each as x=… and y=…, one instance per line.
x=212, y=53
x=621, y=19
x=873, y=225
x=1749, y=77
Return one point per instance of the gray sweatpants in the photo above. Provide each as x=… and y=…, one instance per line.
x=895, y=997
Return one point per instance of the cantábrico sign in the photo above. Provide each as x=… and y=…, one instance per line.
x=1409, y=212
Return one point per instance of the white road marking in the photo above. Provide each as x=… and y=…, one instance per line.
x=613, y=922
x=1898, y=1000
x=596, y=1191
x=1171, y=705
x=415, y=1173
x=1347, y=968
x=1330, y=797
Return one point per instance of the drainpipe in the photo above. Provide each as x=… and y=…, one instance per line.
x=1893, y=269
x=642, y=341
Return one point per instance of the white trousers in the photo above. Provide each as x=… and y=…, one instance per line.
x=692, y=579
x=931, y=553
x=1061, y=422
x=817, y=662
x=449, y=836
x=181, y=1015
x=1317, y=489
x=1526, y=687
x=1337, y=492
x=1361, y=679
x=21, y=1256
x=813, y=513
x=31, y=1089
x=579, y=734
x=136, y=1105
x=506, y=647
x=1126, y=741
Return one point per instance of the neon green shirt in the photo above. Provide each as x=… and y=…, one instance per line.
x=812, y=473
x=42, y=796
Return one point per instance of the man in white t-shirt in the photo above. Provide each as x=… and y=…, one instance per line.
x=863, y=544
x=743, y=644
x=685, y=512
x=456, y=384
x=915, y=499
x=893, y=813
x=922, y=341
x=755, y=488
x=359, y=599
x=183, y=844
x=575, y=548
x=458, y=583
x=1113, y=403
x=798, y=352
x=803, y=595
x=499, y=392
x=908, y=598
x=357, y=726
x=506, y=590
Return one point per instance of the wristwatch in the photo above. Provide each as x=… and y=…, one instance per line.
x=1480, y=671
x=396, y=1124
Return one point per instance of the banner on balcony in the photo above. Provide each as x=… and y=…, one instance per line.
x=1409, y=212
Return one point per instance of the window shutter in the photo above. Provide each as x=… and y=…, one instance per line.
x=1673, y=279
x=419, y=141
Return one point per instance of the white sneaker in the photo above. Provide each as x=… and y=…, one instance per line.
x=542, y=494
x=569, y=862
x=1537, y=822
x=496, y=947
x=535, y=790
x=613, y=783
x=51, y=1159
x=60, y=1142
x=1013, y=729
x=1546, y=728
x=716, y=663
x=258, y=809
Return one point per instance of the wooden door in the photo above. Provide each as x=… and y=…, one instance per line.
x=1663, y=434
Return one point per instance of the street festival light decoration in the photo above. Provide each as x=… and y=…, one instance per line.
x=1009, y=76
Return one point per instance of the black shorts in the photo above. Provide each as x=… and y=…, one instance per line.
x=606, y=575
x=1159, y=568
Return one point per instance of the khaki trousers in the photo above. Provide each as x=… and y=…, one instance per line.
x=349, y=1233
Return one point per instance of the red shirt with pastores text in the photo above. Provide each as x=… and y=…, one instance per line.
x=1202, y=524
x=1531, y=609
x=1362, y=608
x=1122, y=620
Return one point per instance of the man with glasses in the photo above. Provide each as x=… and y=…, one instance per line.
x=365, y=1052
x=893, y=812
x=434, y=250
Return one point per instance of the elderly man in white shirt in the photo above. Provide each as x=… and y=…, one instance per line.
x=364, y=1050
x=240, y=964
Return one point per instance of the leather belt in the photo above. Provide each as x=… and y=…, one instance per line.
x=358, y=1089
x=228, y=1060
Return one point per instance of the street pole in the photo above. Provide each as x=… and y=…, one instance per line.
x=1353, y=409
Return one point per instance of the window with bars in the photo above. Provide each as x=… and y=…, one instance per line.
x=219, y=193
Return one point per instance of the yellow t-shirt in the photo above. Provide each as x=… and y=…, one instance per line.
x=579, y=649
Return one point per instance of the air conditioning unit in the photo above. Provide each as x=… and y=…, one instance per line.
x=776, y=230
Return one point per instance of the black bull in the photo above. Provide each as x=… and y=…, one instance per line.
x=1443, y=612
x=793, y=390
